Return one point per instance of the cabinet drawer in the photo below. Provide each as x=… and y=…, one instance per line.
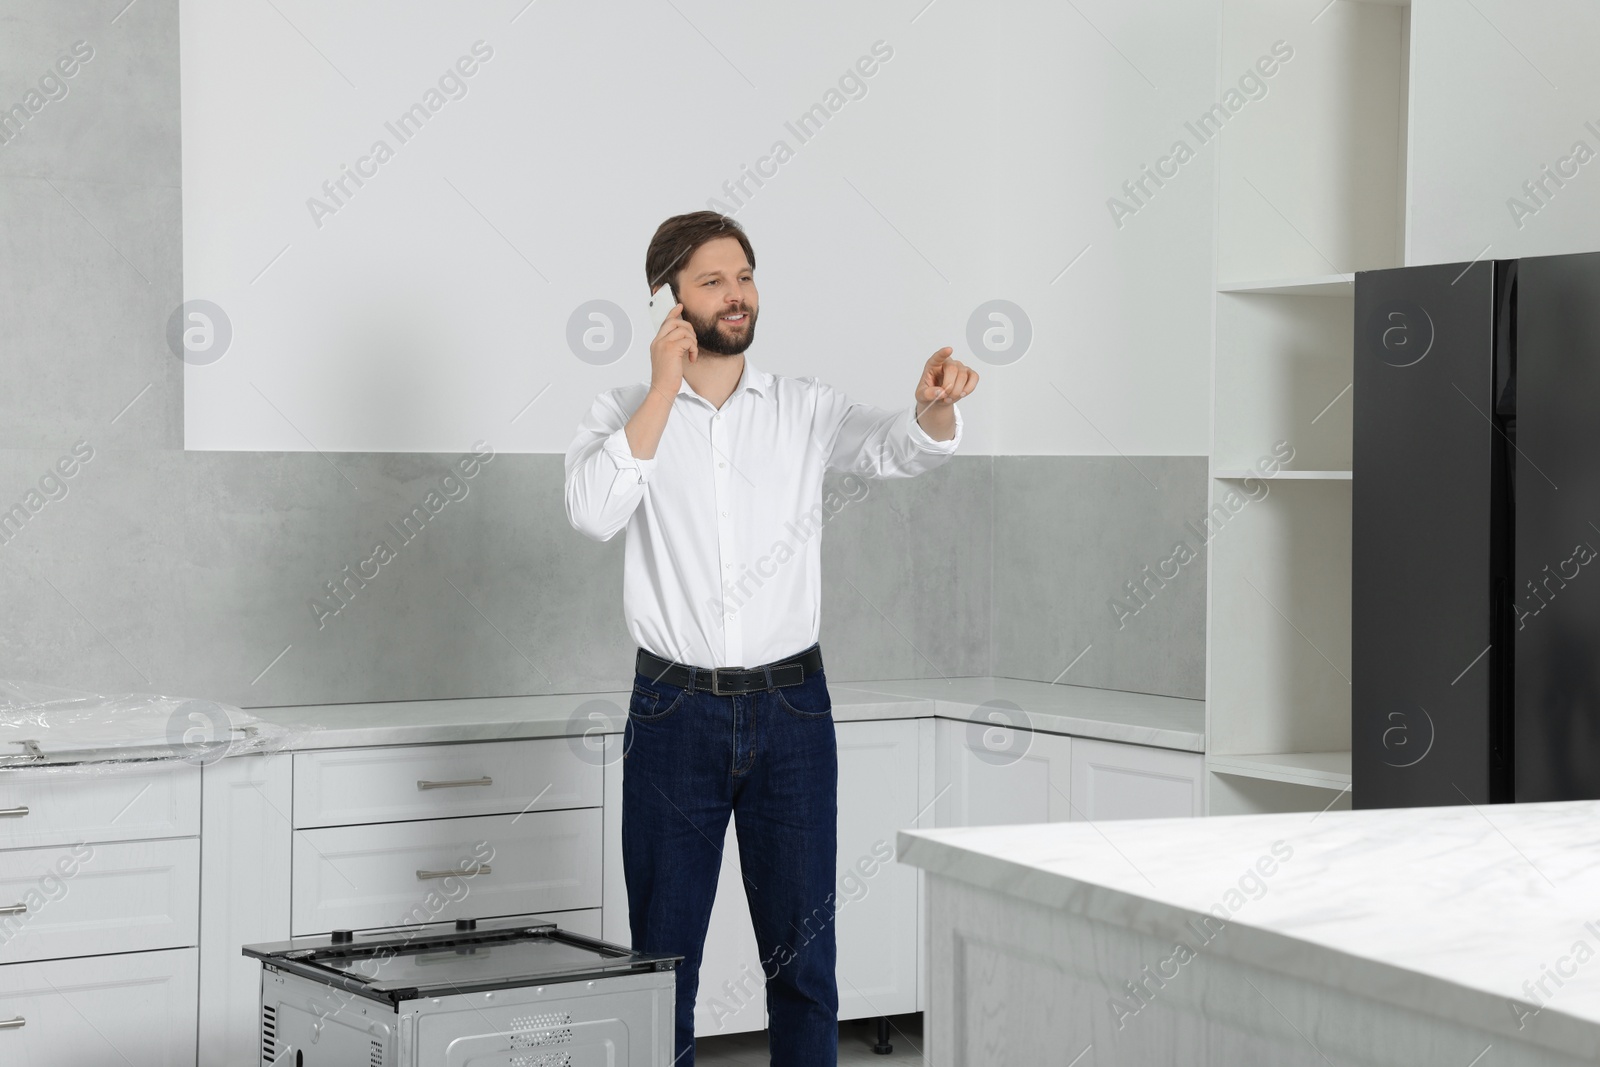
x=134, y=1010
x=367, y=785
x=353, y=877
x=112, y=803
x=88, y=899
x=1117, y=781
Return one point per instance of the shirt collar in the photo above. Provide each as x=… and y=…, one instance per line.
x=757, y=381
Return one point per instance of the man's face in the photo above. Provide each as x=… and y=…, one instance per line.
x=718, y=291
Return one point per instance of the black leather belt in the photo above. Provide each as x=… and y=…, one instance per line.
x=727, y=681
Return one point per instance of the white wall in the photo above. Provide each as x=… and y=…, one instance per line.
x=433, y=306
x=1500, y=89
x=1310, y=181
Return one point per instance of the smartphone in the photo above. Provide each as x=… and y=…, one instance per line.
x=661, y=305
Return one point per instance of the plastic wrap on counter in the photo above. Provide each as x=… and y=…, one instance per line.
x=46, y=727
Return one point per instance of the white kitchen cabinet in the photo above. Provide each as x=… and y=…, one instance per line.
x=249, y=847
x=386, y=874
x=992, y=774
x=1116, y=781
x=305, y=842
x=245, y=848
x=876, y=910
x=136, y=1009
x=99, y=906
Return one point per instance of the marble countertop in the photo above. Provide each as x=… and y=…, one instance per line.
x=1487, y=916
x=410, y=722
x=1108, y=714
x=1136, y=718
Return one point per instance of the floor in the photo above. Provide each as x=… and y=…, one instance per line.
x=855, y=1045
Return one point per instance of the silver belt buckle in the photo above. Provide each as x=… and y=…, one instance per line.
x=716, y=681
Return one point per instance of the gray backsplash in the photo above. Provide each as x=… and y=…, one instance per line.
x=1070, y=534
x=193, y=573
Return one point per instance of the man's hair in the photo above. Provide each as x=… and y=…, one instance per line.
x=678, y=237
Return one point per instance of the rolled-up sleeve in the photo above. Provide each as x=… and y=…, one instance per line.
x=928, y=444
x=605, y=480
x=879, y=443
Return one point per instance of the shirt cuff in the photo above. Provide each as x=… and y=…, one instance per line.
x=616, y=446
x=920, y=437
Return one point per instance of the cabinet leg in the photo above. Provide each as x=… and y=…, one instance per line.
x=883, y=1047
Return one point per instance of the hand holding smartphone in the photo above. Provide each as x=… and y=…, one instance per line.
x=661, y=304
x=673, y=346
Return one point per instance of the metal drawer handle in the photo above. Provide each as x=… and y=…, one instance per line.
x=485, y=780
x=14, y=909
x=13, y=813
x=14, y=1024
x=482, y=868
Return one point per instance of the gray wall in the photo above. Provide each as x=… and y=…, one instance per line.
x=192, y=573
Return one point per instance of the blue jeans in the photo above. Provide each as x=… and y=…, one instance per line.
x=769, y=759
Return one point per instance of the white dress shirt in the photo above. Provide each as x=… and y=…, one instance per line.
x=723, y=562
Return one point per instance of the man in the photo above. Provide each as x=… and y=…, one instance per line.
x=712, y=468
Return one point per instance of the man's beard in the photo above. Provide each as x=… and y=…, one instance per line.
x=710, y=338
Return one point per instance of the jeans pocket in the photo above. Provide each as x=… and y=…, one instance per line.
x=653, y=701
x=808, y=700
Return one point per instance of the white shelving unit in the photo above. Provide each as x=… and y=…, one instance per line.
x=1311, y=188
x=1324, y=285
x=1320, y=770
x=1239, y=476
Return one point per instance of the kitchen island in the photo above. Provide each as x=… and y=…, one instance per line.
x=1465, y=936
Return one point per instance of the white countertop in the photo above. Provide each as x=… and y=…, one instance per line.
x=1448, y=911
x=1108, y=714
x=410, y=722
x=1135, y=718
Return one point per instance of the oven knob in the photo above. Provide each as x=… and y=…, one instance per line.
x=466, y=924
x=341, y=937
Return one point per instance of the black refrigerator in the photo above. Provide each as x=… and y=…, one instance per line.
x=1475, y=570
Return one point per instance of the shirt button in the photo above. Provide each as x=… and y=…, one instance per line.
x=721, y=464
